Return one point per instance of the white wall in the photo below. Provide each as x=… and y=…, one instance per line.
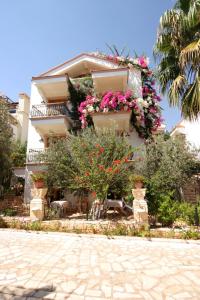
x=135, y=82
x=23, y=116
x=192, y=132
x=34, y=142
x=34, y=139
x=136, y=142
x=16, y=131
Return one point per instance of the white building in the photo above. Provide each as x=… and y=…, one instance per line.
x=49, y=111
x=19, y=115
x=190, y=130
x=20, y=112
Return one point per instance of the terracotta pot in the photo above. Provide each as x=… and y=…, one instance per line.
x=39, y=184
x=138, y=185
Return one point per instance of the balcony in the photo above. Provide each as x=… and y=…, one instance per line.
x=52, y=87
x=110, y=80
x=35, y=156
x=120, y=121
x=50, y=118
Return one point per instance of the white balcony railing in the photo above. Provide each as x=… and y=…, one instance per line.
x=50, y=110
x=35, y=155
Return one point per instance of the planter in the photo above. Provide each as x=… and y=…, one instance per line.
x=39, y=184
x=37, y=204
x=119, y=120
x=138, y=185
x=139, y=194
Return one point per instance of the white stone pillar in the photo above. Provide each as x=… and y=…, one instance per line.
x=140, y=208
x=37, y=204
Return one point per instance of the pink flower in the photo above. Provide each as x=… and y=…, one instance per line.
x=128, y=94
x=142, y=62
x=153, y=110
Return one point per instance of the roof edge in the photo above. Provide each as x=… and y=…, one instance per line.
x=78, y=56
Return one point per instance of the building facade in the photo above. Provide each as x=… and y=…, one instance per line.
x=189, y=130
x=50, y=108
x=19, y=116
x=20, y=113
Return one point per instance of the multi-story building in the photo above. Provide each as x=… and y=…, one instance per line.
x=19, y=116
x=50, y=105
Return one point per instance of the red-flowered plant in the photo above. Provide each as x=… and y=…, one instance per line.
x=100, y=160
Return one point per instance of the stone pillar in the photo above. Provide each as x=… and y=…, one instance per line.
x=140, y=208
x=37, y=204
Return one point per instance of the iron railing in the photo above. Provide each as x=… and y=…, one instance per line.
x=35, y=155
x=49, y=110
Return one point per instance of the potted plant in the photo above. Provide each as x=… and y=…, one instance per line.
x=137, y=181
x=39, y=179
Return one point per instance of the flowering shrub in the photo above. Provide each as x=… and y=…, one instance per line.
x=90, y=161
x=100, y=159
x=111, y=101
x=146, y=111
x=141, y=62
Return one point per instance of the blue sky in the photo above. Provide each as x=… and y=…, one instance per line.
x=39, y=34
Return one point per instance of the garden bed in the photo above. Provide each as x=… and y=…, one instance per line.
x=105, y=227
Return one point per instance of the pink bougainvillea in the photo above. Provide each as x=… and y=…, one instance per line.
x=146, y=111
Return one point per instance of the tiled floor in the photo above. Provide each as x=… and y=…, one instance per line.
x=64, y=266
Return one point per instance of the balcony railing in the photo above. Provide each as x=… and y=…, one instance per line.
x=36, y=155
x=50, y=110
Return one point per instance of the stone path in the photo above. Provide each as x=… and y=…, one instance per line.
x=63, y=266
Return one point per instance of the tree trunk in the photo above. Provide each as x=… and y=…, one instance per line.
x=96, y=210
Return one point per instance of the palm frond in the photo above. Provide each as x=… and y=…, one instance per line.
x=192, y=17
x=163, y=43
x=116, y=52
x=170, y=19
x=183, y=5
x=176, y=90
x=191, y=100
x=111, y=49
x=190, y=54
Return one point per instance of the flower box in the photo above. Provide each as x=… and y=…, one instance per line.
x=119, y=120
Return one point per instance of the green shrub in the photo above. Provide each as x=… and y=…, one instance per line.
x=190, y=234
x=51, y=214
x=167, y=210
x=129, y=199
x=9, y=212
x=185, y=212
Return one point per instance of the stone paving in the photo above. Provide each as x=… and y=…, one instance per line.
x=63, y=266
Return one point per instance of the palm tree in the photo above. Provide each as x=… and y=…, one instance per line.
x=177, y=50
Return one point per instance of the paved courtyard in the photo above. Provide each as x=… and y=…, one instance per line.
x=64, y=266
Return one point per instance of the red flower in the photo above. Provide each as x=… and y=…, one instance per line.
x=87, y=173
x=101, y=167
x=116, y=162
x=94, y=194
x=97, y=145
x=101, y=149
x=116, y=171
x=110, y=169
x=126, y=159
